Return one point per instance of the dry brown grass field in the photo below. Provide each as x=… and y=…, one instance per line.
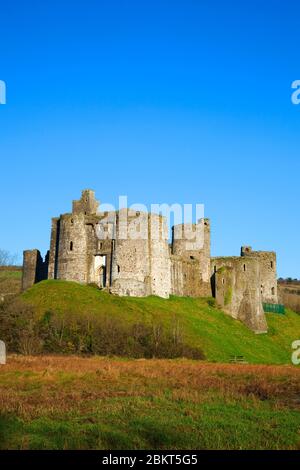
x=55, y=402
x=92, y=402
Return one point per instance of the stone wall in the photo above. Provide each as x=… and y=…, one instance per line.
x=71, y=262
x=268, y=272
x=53, y=252
x=127, y=252
x=87, y=204
x=186, y=278
x=131, y=263
x=190, y=259
x=236, y=287
x=76, y=254
x=99, y=250
x=34, y=268
x=160, y=263
x=141, y=262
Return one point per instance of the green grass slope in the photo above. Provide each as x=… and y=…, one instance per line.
x=10, y=280
x=203, y=325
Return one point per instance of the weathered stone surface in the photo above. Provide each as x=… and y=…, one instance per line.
x=141, y=264
x=190, y=259
x=236, y=287
x=34, y=268
x=268, y=272
x=127, y=252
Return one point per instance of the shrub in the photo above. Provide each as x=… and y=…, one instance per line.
x=212, y=302
x=89, y=334
x=19, y=328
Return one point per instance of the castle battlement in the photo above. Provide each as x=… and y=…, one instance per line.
x=127, y=252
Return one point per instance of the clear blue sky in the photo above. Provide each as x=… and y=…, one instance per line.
x=165, y=101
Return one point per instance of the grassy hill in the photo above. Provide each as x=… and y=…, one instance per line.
x=70, y=402
x=203, y=325
x=10, y=280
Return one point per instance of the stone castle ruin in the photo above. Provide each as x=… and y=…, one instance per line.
x=105, y=248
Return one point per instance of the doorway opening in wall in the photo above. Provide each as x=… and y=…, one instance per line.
x=100, y=270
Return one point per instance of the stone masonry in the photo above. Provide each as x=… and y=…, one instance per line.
x=127, y=253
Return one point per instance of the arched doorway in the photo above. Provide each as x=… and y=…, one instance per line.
x=100, y=270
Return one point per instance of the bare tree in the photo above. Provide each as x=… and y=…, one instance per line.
x=6, y=258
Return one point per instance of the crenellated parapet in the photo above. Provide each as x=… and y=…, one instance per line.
x=128, y=253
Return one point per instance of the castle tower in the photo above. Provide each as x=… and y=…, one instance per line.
x=191, y=258
x=34, y=268
x=141, y=261
x=192, y=241
x=87, y=204
x=236, y=287
x=127, y=252
x=268, y=272
x=70, y=237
